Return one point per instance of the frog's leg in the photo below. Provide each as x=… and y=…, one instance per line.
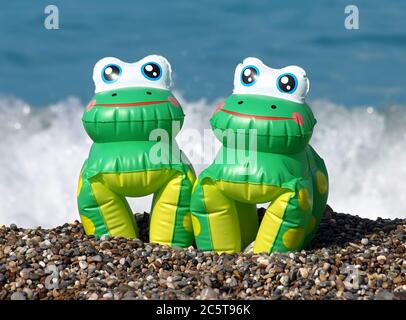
x=221, y=223
x=215, y=219
x=320, y=193
x=286, y=220
x=102, y=211
x=171, y=220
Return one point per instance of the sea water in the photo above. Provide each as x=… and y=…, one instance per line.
x=357, y=88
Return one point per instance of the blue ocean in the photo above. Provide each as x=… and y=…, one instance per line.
x=357, y=89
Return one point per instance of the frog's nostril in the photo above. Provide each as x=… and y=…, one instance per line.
x=114, y=94
x=273, y=106
x=240, y=102
x=149, y=92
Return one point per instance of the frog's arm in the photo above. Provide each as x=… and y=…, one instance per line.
x=320, y=191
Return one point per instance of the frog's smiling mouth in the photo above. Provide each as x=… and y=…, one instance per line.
x=131, y=104
x=172, y=100
x=244, y=115
x=297, y=117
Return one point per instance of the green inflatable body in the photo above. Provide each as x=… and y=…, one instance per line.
x=265, y=127
x=132, y=100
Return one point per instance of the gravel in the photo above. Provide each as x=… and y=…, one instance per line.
x=350, y=258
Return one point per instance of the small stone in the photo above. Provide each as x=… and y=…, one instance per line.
x=83, y=265
x=304, y=272
x=326, y=266
x=348, y=285
x=45, y=244
x=384, y=295
x=18, y=296
x=104, y=245
x=381, y=259
x=277, y=294
x=349, y=296
x=97, y=258
x=25, y=273
x=51, y=283
x=93, y=296
x=208, y=294
x=263, y=262
x=364, y=241
x=398, y=280
x=284, y=280
x=108, y=295
x=207, y=281
x=28, y=293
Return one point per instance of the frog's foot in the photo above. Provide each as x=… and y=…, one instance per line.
x=103, y=211
x=171, y=222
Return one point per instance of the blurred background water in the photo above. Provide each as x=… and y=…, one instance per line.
x=357, y=87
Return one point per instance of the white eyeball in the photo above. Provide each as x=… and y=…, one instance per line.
x=252, y=76
x=151, y=72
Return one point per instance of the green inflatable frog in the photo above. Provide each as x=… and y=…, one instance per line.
x=132, y=101
x=265, y=127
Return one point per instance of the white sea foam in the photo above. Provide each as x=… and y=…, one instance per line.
x=42, y=150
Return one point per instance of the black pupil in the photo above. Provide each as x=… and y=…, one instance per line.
x=111, y=73
x=152, y=70
x=249, y=75
x=287, y=83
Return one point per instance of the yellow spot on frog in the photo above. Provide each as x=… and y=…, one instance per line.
x=87, y=224
x=293, y=238
x=196, y=226
x=187, y=223
x=304, y=199
x=321, y=182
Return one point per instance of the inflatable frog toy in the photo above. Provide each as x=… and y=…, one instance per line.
x=265, y=127
x=127, y=159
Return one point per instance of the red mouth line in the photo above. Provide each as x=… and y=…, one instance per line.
x=131, y=104
x=243, y=115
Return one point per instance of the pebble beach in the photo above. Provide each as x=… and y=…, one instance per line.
x=350, y=258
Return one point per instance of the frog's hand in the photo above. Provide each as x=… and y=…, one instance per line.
x=220, y=223
x=320, y=192
x=102, y=211
x=286, y=220
x=171, y=220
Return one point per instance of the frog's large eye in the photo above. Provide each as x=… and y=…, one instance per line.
x=111, y=73
x=151, y=71
x=287, y=83
x=249, y=75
